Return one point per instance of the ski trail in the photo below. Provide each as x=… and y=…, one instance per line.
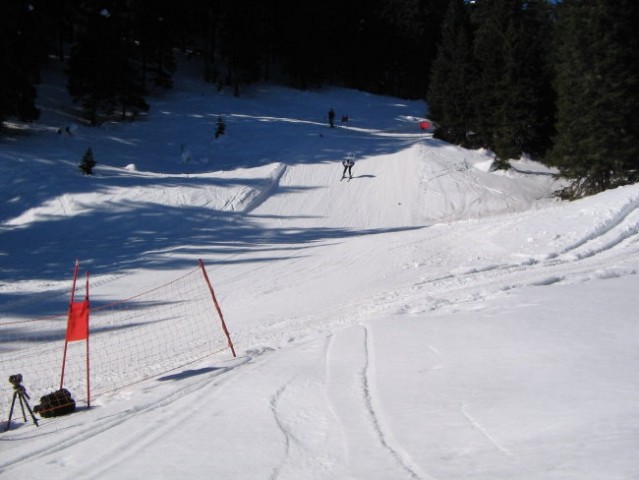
x=313, y=443
x=612, y=233
x=601, y=252
x=375, y=411
x=482, y=430
x=288, y=438
x=351, y=363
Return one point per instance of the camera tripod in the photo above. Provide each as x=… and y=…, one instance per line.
x=23, y=396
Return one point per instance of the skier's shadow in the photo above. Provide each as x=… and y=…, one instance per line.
x=363, y=176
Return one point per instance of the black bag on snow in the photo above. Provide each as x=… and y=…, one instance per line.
x=55, y=404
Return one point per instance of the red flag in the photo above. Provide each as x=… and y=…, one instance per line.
x=424, y=125
x=78, y=324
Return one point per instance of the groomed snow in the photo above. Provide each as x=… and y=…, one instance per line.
x=429, y=319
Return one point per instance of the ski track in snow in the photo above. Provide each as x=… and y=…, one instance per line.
x=623, y=226
x=464, y=410
x=375, y=411
x=288, y=438
x=588, y=257
x=349, y=361
x=322, y=417
x=304, y=414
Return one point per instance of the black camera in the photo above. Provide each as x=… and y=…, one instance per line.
x=15, y=380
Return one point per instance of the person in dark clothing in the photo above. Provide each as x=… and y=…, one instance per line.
x=348, y=166
x=331, y=118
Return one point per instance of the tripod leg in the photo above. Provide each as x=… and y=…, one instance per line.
x=33, y=417
x=13, y=402
x=22, y=400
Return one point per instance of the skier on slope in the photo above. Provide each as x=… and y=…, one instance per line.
x=348, y=166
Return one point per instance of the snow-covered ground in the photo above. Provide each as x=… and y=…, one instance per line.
x=428, y=319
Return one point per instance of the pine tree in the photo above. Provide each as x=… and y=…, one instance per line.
x=88, y=162
x=511, y=106
x=449, y=97
x=243, y=41
x=597, y=83
x=19, y=62
x=412, y=32
x=306, y=41
x=220, y=127
x=525, y=111
x=102, y=76
x=153, y=33
x=536, y=58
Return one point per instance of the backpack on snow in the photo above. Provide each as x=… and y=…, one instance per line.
x=55, y=404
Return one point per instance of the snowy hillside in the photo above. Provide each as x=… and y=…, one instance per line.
x=428, y=319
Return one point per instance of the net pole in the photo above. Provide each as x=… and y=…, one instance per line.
x=66, y=342
x=217, y=306
x=86, y=298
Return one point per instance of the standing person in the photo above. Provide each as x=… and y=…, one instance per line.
x=348, y=167
x=331, y=118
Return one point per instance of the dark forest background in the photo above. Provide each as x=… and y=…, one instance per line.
x=558, y=81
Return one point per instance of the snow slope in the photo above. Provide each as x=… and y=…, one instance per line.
x=428, y=319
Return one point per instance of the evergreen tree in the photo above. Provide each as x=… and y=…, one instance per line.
x=449, y=94
x=306, y=41
x=19, y=61
x=353, y=45
x=243, y=41
x=152, y=40
x=511, y=105
x=220, y=127
x=525, y=113
x=208, y=20
x=88, y=162
x=56, y=24
x=537, y=56
x=102, y=75
x=413, y=29
x=492, y=19
x=597, y=83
